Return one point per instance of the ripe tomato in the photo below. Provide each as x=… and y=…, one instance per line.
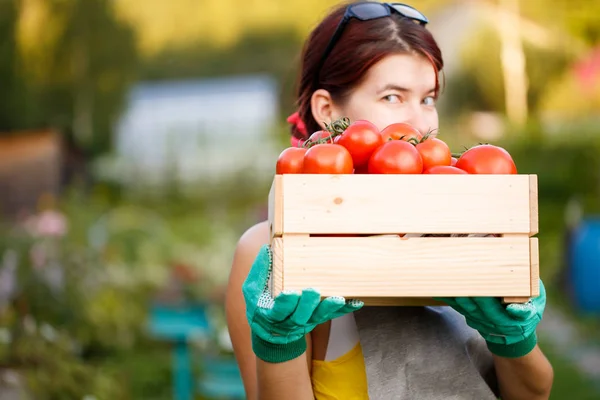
x=290, y=161
x=319, y=135
x=444, y=170
x=396, y=157
x=434, y=152
x=361, y=139
x=487, y=159
x=328, y=158
x=454, y=161
x=401, y=131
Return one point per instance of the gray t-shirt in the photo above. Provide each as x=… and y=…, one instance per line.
x=424, y=353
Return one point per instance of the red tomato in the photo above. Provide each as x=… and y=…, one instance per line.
x=361, y=139
x=320, y=135
x=290, y=161
x=400, y=131
x=396, y=157
x=444, y=170
x=434, y=152
x=487, y=159
x=454, y=161
x=328, y=158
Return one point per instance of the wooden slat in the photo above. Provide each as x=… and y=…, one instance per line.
x=521, y=299
x=534, y=274
x=276, y=207
x=533, y=205
x=535, y=266
x=414, y=267
x=401, y=301
x=381, y=204
x=276, y=279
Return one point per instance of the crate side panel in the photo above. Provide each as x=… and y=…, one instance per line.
x=275, y=211
x=533, y=205
x=380, y=204
x=415, y=267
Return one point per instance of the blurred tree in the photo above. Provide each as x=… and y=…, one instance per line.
x=10, y=82
x=549, y=49
x=76, y=59
x=264, y=38
x=512, y=57
x=576, y=94
x=580, y=18
x=272, y=53
x=224, y=23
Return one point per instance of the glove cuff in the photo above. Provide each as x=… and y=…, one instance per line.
x=278, y=353
x=514, y=350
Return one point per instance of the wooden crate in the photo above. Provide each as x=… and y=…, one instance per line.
x=340, y=234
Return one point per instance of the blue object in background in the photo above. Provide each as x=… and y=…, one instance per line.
x=221, y=379
x=177, y=325
x=585, y=265
x=178, y=322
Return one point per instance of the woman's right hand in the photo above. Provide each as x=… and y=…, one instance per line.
x=279, y=324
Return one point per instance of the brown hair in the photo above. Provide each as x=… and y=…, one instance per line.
x=362, y=44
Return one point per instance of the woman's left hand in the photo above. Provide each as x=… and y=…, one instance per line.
x=509, y=330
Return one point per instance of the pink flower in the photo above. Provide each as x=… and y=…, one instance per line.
x=48, y=223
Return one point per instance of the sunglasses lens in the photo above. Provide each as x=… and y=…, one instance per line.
x=366, y=11
x=410, y=12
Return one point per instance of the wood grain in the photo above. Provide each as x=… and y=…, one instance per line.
x=277, y=272
x=533, y=205
x=534, y=252
x=401, y=301
x=275, y=211
x=382, y=204
x=407, y=267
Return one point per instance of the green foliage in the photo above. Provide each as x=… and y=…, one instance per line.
x=75, y=79
x=580, y=18
x=479, y=85
x=58, y=373
x=566, y=166
x=85, y=333
x=276, y=53
x=10, y=81
x=568, y=383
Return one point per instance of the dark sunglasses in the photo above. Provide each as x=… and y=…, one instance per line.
x=367, y=11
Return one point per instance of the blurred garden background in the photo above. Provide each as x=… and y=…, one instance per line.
x=138, y=141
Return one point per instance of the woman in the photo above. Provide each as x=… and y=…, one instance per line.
x=375, y=62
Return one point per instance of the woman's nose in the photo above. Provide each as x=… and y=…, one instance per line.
x=419, y=120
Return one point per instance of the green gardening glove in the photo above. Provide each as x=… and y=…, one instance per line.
x=279, y=324
x=509, y=330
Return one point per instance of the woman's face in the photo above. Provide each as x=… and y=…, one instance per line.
x=399, y=88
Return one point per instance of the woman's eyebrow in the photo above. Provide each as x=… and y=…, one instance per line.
x=398, y=88
x=391, y=86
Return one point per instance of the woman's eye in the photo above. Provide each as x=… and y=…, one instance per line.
x=392, y=98
x=429, y=101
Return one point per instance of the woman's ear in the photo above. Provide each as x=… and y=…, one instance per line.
x=323, y=109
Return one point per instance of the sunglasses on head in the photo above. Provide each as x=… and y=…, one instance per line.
x=367, y=11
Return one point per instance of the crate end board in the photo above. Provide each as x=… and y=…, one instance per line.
x=423, y=301
x=381, y=204
x=386, y=267
x=275, y=209
x=401, y=301
x=533, y=205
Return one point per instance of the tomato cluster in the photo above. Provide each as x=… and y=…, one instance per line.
x=360, y=148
